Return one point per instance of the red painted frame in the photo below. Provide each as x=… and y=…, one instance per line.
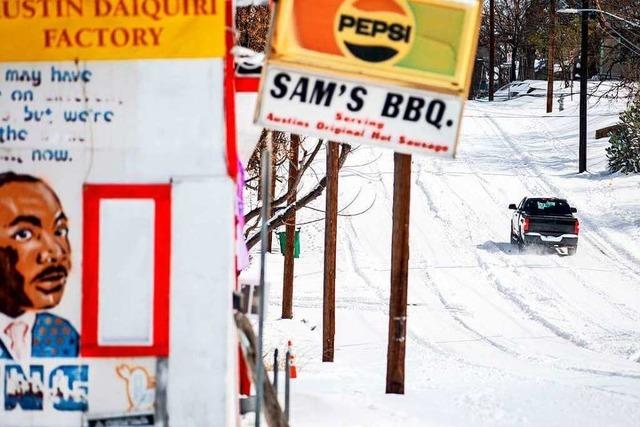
x=230, y=96
x=93, y=194
x=232, y=85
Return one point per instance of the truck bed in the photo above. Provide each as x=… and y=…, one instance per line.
x=551, y=225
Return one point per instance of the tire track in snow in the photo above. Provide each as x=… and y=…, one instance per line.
x=487, y=270
x=381, y=295
x=531, y=314
x=351, y=240
x=592, y=237
x=411, y=333
x=596, y=239
x=497, y=282
x=613, y=210
x=580, y=279
x=576, y=311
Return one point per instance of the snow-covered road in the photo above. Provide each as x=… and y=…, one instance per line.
x=495, y=336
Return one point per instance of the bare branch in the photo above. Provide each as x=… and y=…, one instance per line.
x=280, y=200
x=280, y=219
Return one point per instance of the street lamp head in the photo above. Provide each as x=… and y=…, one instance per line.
x=568, y=10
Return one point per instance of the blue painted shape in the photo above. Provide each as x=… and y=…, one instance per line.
x=69, y=385
x=54, y=336
x=23, y=391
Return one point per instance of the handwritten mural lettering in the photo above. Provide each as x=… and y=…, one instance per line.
x=32, y=109
x=22, y=95
x=50, y=156
x=66, y=388
x=30, y=76
x=10, y=133
x=59, y=75
x=16, y=159
x=89, y=115
x=36, y=115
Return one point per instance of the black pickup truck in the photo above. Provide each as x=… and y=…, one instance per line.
x=545, y=221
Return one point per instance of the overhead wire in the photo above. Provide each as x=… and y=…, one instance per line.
x=623, y=40
x=621, y=18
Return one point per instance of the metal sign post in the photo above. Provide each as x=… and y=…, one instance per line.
x=265, y=176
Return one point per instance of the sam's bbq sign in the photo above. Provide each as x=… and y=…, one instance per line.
x=406, y=120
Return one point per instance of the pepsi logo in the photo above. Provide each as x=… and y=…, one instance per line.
x=375, y=31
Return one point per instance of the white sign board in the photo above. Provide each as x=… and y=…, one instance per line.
x=359, y=112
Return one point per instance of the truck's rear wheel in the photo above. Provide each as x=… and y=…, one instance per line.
x=572, y=250
x=514, y=238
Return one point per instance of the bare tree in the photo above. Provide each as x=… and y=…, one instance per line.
x=283, y=211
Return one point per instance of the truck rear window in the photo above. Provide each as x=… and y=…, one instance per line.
x=547, y=207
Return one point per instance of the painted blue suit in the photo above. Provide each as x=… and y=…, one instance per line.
x=52, y=336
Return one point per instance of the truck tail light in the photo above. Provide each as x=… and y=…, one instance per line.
x=576, y=227
x=525, y=225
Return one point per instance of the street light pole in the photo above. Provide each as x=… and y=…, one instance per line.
x=582, y=155
x=582, y=162
x=550, y=54
x=492, y=47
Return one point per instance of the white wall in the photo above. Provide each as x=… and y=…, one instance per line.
x=202, y=345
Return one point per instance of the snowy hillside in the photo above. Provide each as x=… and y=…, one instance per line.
x=496, y=337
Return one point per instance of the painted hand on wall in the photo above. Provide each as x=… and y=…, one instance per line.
x=141, y=387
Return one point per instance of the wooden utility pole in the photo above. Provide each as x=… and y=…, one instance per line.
x=492, y=46
x=399, y=273
x=330, y=232
x=551, y=57
x=287, y=282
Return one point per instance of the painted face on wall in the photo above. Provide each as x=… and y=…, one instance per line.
x=35, y=255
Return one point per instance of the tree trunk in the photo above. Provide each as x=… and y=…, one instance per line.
x=512, y=70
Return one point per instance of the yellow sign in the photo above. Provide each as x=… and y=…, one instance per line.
x=374, y=36
x=49, y=30
x=429, y=43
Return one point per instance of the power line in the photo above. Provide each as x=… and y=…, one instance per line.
x=621, y=18
x=624, y=41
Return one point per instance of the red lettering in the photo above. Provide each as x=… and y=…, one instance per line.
x=155, y=35
x=120, y=9
x=64, y=39
x=124, y=40
x=139, y=37
x=101, y=32
x=48, y=36
x=102, y=8
x=199, y=7
x=78, y=38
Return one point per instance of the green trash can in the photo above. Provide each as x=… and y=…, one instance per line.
x=282, y=238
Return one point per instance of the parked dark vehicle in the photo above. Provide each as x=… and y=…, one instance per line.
x=547, y=222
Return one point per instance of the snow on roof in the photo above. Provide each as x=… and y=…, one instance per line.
x=244, y=3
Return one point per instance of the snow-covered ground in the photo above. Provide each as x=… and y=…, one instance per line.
x=495, y=337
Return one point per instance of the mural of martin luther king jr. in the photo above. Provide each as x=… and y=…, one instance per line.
x=35, y=259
